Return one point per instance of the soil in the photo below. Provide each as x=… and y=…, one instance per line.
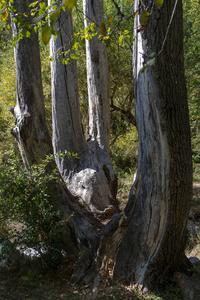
x=26, y=279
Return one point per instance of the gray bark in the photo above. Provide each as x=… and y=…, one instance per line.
x=147, y=241
x=97, y=78
x=31, y=128
x=81, y=229
x=91, y=176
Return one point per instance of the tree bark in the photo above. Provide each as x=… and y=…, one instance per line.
x=152, y=236
x=81, y=229
x=91, y=175
x=146, y=241
x=31, y=129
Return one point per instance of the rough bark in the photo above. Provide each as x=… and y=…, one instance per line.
x=91, y=176
x=149, y=238
x=31, y=128
x=81, y=233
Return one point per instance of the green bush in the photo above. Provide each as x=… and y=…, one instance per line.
x=124, y=153
x=25, y=198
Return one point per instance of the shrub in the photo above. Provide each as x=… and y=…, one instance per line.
x=25, y=198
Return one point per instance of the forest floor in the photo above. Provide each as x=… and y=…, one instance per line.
x=26, y=280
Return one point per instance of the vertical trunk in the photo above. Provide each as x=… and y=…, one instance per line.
x=67, y=129
x=31, y=129
x=97, y=78
x=79, y=235
x=98, y=133
x=151, y=233
x=159, y=200
x=88, y=177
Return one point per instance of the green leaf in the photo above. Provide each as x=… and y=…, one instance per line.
x=103, y=29
x=121, y=38
x=144, y=17
x=73, y=56
x=110, y=19
x=42, y=5
x=4, y=16
x=69, y=4
x=159, y=3
x=52, y=18
x=46, y=34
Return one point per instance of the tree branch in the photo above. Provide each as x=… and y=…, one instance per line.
x=127, y=113
x=118, y=9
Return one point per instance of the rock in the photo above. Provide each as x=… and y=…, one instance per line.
x=194, y=260
x=9, y=254
x=190, y=287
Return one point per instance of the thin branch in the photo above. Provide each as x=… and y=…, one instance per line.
x=127, y=113
x=118, y=8
x=167, y=32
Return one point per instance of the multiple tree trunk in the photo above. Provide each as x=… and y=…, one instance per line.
x=146, y=241
x=91, y=176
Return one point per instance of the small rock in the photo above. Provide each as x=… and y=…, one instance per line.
x=194, y=260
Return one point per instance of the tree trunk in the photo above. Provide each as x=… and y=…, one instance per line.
x=152, y=232
x=81, y=228
x=146, y=241
x=89, y=177
x=31, y=128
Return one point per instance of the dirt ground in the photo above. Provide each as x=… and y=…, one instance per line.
x=26, y=280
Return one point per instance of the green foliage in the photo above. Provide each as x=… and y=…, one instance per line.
x=192, y=67
x=144, y=17
x=25, y=197
x=124, y=152
x=7, y=94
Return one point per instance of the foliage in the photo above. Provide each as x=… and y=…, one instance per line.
x=25, y=198
x=192, y=70
x=124, y=152
x=7, y=89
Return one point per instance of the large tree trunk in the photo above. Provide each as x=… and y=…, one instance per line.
x=146, y=241
x=31, y=128
x=91, y=175
x=151, y=233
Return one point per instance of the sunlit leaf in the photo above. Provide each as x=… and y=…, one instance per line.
x=130, y=1
x=159, y=3
x=42, y=5
x=33, y=4
x=121, y=38
x=144, y=17
x=110, y=19
x=73, y=56
x=46, y=34
x=103, y=29
x=4, y=16
x=106, y=37
x=69, y=4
